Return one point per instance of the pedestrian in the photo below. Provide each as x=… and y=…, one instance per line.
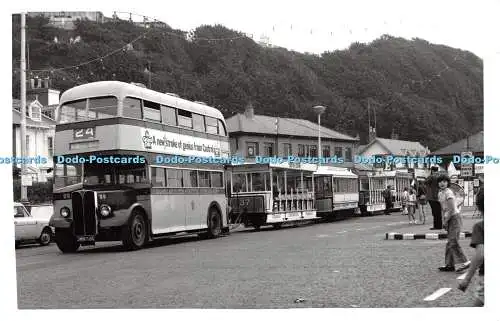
x=432, y=197
x=421, y=201
x=387, y=194
x=412, y=203
x=477, y=242
x=404, y=201
x=455, y=259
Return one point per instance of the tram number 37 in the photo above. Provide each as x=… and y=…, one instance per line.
x=83, y=133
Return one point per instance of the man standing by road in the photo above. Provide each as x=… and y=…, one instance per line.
x=432, y=196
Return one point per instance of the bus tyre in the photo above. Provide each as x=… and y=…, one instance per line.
x=135, y=233
x=66, y=242
x=214, y=223
x=45, y=237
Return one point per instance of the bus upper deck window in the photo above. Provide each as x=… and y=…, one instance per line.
x=222, y=128
x=132, y=108
x=103, y=107
x=151, y=111
x=211, y=125
x=185, y=118
x=68, y=111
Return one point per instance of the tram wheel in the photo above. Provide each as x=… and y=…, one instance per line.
x=66, y=242
x=135, y=233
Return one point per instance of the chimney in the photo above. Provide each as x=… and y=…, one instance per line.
x=249, y=111
x=372, y=134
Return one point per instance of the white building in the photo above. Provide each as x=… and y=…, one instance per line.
x=40, y=131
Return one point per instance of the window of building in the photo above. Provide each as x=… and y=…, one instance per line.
x=287, y=149
x=338, y=152
x=252, y=149
x=313, y=151
x=132, y=107
x=212, y=127
x=168, y=115
x=36, y=113
x=151, y=111
x=184, y=118
x=50, y=146
x=198, y=123
x=326, y=150
x=27, y=144
x=302, y=150
x=348, y=154
x=268, y=149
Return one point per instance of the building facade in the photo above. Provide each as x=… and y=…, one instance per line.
x=66, y=19
x=253, y=135
x=40, y=131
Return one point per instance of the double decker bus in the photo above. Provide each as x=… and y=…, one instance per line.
x=336, y=191
x=271, y=194
x=372, y=186
x=125, y=167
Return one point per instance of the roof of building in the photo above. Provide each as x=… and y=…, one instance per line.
x=475, y=144
x=16, y=116
x=286, y=126
x=398, y=147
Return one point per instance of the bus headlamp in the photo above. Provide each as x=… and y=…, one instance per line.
x=105, y=210
x=64, y=212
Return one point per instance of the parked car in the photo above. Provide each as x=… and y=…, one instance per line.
x=29, y=228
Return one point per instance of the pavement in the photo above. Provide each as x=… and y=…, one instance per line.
x=343, y=264
x=423, y=231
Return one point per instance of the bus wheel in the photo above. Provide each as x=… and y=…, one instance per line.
x=214, y=223
x=66, y=242
x=135, y=232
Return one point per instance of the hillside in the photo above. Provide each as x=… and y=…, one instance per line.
x=424, y=92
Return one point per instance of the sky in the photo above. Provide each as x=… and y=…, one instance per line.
x=316, y=26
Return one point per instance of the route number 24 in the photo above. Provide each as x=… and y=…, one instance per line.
x=84, y=133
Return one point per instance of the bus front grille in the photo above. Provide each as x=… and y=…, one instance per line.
x=84, y=213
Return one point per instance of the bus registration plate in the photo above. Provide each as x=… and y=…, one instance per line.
x=86, y=238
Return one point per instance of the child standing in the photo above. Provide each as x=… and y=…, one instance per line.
x=477, y=242
x=412, y=203
x=404, y=201
x=421, y=203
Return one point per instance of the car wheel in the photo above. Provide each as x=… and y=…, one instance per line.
x=46, y=237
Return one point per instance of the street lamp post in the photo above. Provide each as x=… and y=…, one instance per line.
x=319, y=110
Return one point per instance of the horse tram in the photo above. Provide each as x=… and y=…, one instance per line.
x=372, y=186
x=336, y=192
x=280, y=194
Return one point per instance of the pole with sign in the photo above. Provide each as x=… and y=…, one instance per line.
x=467, y=170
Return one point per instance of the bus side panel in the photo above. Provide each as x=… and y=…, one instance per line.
x=167, y=213
x=205, y=201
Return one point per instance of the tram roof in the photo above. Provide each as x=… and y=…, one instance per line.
x=335, y=171
x=284, y=165
x=122, y=89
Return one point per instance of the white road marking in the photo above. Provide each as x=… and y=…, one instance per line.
x=461, y=277
x=322, y=235
x=342, y=232
x=437, y=294
x=360, y=229
x=336, y=271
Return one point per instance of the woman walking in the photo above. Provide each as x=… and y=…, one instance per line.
x=412, y=203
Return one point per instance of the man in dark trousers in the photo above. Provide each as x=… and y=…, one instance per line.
x=432, y=196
